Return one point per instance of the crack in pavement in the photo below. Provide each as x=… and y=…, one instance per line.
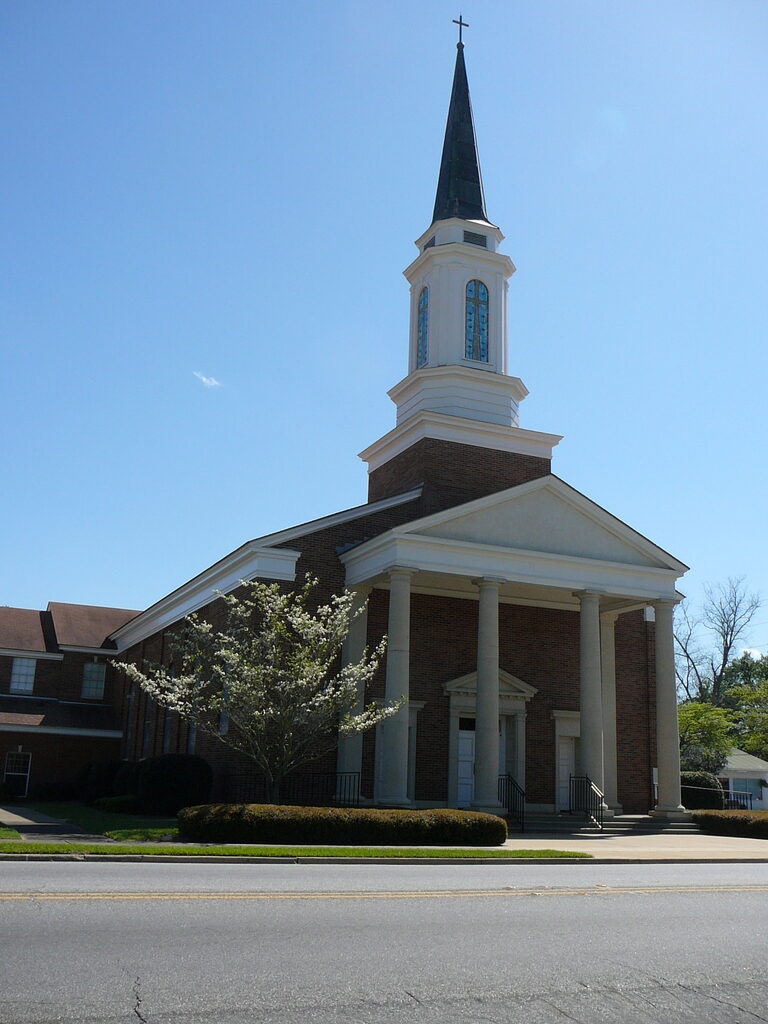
x=137, y=1004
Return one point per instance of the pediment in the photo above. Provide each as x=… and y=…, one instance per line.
x=510, y=687
x=546, y=516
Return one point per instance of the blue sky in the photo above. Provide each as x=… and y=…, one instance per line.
x=231, y=189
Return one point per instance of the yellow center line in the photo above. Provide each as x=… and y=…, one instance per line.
x=383, y=895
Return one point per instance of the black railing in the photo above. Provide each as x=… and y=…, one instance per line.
x=737, y=800
x=512, y=797
x=314, y=789
x=733, y=799
x=586, y=798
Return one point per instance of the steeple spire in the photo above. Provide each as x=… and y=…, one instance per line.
x=459, y=186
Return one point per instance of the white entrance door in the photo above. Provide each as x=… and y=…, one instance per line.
x=566, y=766
x=466, y=792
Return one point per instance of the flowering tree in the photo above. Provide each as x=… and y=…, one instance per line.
x=269, y=683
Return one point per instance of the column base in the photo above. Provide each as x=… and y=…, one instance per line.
x=395, y=802
x=616, y=809
x=608, y=812
x=491, y=808
x=671, y=813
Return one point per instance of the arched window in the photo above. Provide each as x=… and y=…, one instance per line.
x=476, y=322
x=422, y=333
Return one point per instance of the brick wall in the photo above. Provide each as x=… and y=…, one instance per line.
x=452, y=473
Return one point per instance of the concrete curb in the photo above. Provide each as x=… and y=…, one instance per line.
x=161, y=859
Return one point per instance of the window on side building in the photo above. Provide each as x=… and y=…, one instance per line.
x=23, y=675
x=93, y=680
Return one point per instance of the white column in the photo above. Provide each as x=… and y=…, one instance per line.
x=394, y=774
x=350, y=752
x=487, y=706
x=591, y=718
x=667, y=737
x=608, y=662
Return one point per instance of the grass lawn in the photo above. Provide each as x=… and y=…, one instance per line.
x=8, y=833
x=357, y=852
x=104, y=822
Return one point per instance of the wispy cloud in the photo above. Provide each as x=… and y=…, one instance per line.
x=207, y=382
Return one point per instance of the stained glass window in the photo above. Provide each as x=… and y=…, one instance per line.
x=476, y=322
x=423, y=330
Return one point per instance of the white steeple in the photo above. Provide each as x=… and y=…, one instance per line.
x=458, y=387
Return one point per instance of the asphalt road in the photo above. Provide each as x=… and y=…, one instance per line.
x=226, y=944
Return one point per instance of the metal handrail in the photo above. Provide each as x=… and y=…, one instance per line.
x=512, y=797
x=584, y=796
x=733, y=799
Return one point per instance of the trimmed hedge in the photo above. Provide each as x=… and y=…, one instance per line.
x=270, y=823
x=747, y=824
x=701, y=790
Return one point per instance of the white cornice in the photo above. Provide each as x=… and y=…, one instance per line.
x=470, y=254
x=250, y=561
x=12, y=652
x=260, y=558
x=536, y=568
x=463, y=431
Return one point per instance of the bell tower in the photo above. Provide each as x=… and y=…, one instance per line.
x=458, y=389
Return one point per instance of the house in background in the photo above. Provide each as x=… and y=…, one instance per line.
x=745, y=773
x=55, y=694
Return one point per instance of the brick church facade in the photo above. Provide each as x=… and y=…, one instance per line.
x=530, y=631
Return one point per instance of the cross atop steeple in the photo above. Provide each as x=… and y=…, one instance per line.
x=461, y=24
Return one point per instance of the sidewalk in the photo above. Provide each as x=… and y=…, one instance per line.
x=661, y=848
x=36, y=827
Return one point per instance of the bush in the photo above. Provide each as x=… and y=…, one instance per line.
x=269, y=823
x=125, y=804
x=95, y=779
x=701, y=790
x=171, y=781
x=54, y=790
x=126, y=779
x=748, y=824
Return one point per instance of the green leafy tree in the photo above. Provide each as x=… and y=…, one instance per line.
x=268, y=684
x=746, y=695
x=705, y=737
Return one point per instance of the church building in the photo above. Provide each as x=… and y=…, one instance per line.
x=530, y=631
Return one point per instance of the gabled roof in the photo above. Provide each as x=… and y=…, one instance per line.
x=267, y=557
x=547, y=515
x=86, y=625
x=542, y=535
x=459, y=185
x=22, y=629
x=741, y=761
x=82, y=626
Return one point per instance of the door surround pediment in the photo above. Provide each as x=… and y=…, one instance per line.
x=514, y=694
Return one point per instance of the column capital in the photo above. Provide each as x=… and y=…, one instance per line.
x=487, y=581
x=609, y=617
x=400, y=572
x=663, y=603
x=586, y=596
x=361, y=590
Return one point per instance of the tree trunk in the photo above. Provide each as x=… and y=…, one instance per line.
x=273, y=788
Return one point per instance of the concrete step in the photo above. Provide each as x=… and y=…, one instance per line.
x=624, y=825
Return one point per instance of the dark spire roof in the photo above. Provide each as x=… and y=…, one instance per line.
x=460, y=187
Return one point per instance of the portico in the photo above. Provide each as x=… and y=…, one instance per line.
x=540, y=545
